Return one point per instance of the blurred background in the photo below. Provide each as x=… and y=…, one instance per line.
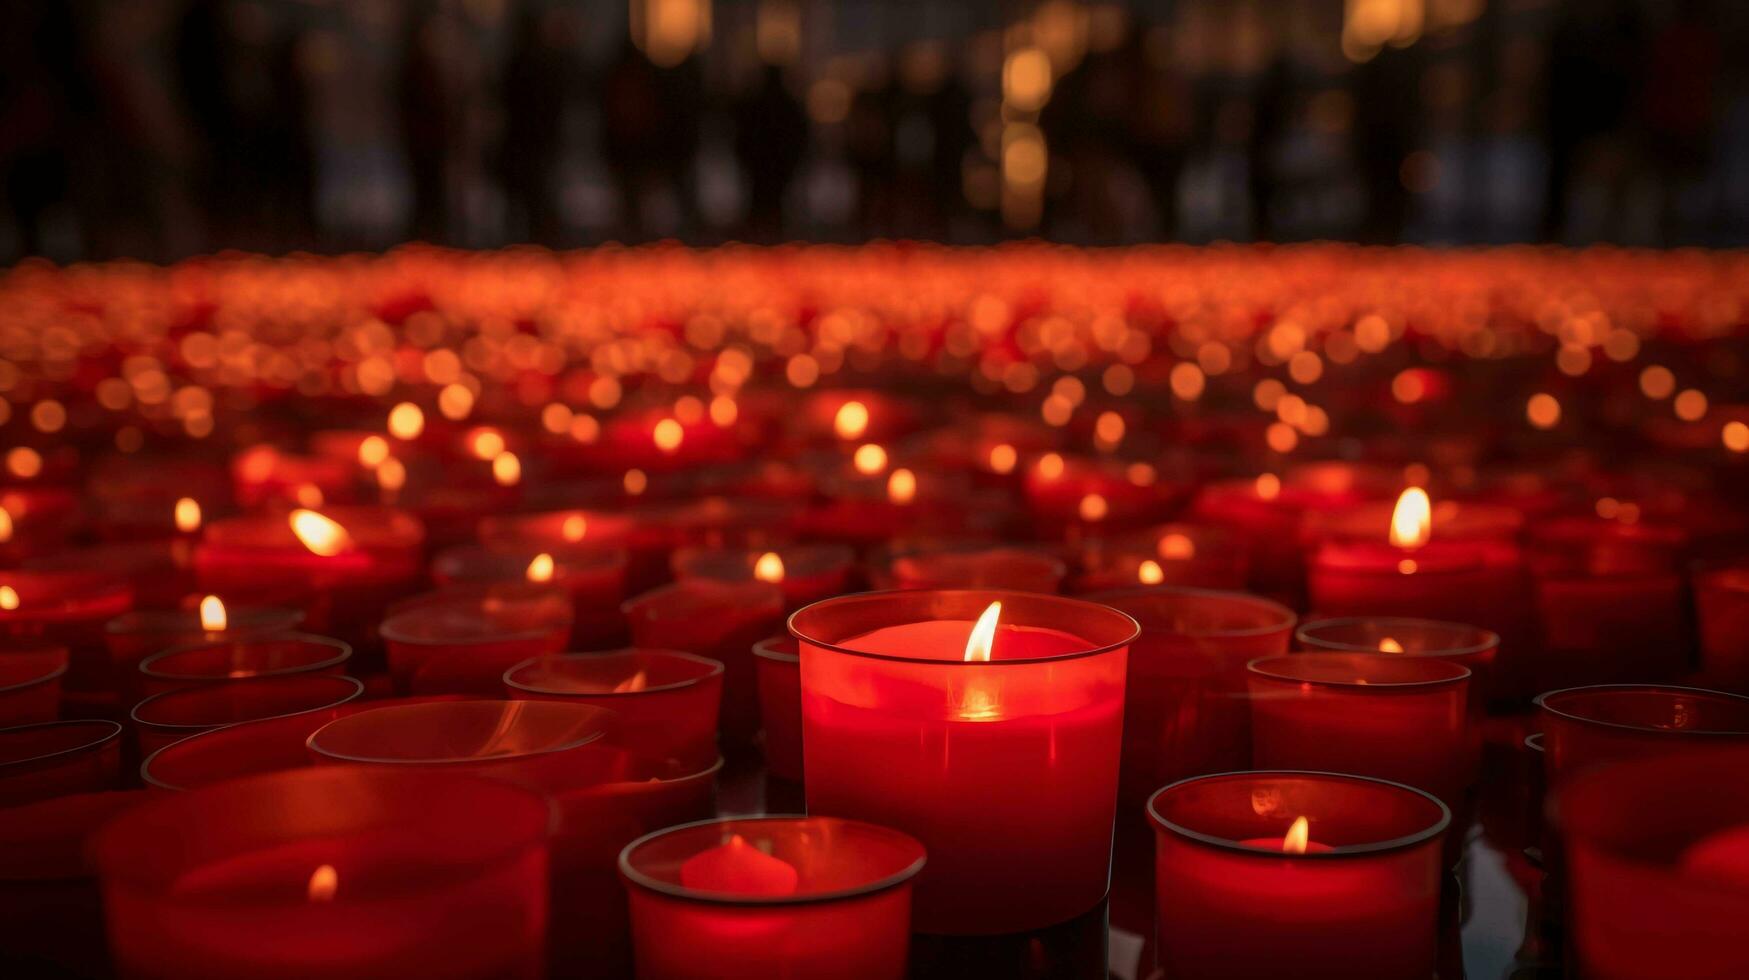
x=157, y=129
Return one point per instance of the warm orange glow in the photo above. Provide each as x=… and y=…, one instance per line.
x=1094, y=507
x=1003, y=458
x=24, y=462
x=1050, y=466
x=769, y=567
x=406, y=421
x=5, y=525
x=392, y=475
x=869, y=459
x=506, y=469
x=541, y=568
x=1149, y=573
x=851, y=421
x=1412, y=520
x=574, y=527
x=1268, y=486
x=310, y=495
x=1543, y=410
x=8, y=597
x=187, y=515
x=902, y=486
x=486, y=443
x=319, y=534
x=983, y=635
x=633, y=684
x=635, y=482
x=1176, y=547
x=668, y=435
x=372, y=451
x=1736, y=437
x=1297, y=837
x=1408, y=566
x=212, y=614
x=1390, y=645
x=324, y=882
x=1691, y=405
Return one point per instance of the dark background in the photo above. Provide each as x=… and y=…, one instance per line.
x=162, y=128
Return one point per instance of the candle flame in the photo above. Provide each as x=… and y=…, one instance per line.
x=633, y=684
x=506, y=469
x=5, y=525
x=769, y=567
x=851, y=421
x=983, y=635
x=372, y=451
x=212, y=614
x=1050, y=466
x=1093, y=507
x=486, y=443
x=1149, y=573
x=1003, y=458
x=324, y=882
x=406, y=421
x=902, y=486
x=391, y=475
x=1412, y=519
x=541, y=568
x=668, y=435
x=1298, y=835
x=8, y=597
x=320, y=534
x=187, y=515
x=870, y=459
x=310, y=495
x=1390, y=645
x=1177, y=547
x=574, y=527
x=1268, y=486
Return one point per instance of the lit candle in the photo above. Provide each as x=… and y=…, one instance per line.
x=666, y=702
x=1411, y=574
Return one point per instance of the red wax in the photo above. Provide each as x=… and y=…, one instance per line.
x=51, y=915
x=30, y=685
x=175, y=715
x=67, y=609
x=779, y=663
x=1006, y=769
x=50, y=759
x=666, y=702
x=461, y=641
x=278, y=655
x=1655, y=854
x=718, y=620
x=809, y=898
x=333, y=873
x=1447, y=580
x=806, y=573
x=1231, y=903
x=972, y=567
x=594, y=577
x=134, y=636
x=1185, y=710
x=1721, y=599
x=1585, y=727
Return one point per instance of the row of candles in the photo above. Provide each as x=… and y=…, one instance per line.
x=1076, y=630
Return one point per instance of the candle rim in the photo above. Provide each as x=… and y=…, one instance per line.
x=1488, y=639
x=238, y=621
x=355, y=685
x=342, y=653
x=890, y=881
x=713, y=668
x=768, y=649
x=981, y=598
x=112, y=733
x=1288, y=618
x=1541, y=701
x=401, y=704
x=1462, y=676
x=596, y=789
x=48, y=652
x=1336, y=851
x=84, y=590
x=424, y=604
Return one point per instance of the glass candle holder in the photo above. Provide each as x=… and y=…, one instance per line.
x=1202, y=556
x=68, y=609
x=56, y=758
x=51, y=914
x=805, y=572
x=1721, y=600
x=665, y=701
x=594, y=578
x=813, y=898
x=1443, y=580
x=1655, y=857
x=1185, y=707
x=134, y=636
x=779, y=662
x=175, y=715
x=30, y=685
x=1006, y=767
x=281, y=655
x=1471, y=646
x=461, y=641
x=974, y=567
x=332, y=872
x=1360, y=899
x=556, y=531
x=718, y=620
x=1372, y=714
x=1584, y=727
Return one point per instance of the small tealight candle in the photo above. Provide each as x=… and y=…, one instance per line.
x=176, y=714
x=1412, y=573
x=280, y=655
x=462, y=640
x=806, y=573
x=595, y=579
x=134, y=636
x=813, y=898
x=717, y=620
x=666, y=701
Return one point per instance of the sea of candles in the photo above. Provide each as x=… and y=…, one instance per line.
x=1243, y=609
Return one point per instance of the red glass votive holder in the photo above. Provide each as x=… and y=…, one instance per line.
x=556, y=531
x=175, y=715
x=1005, y=768
x=279, y=655
x=779, y=662
x=1585, y=727
x=1445, y=580
x=813, y=898
x=1362, y=899
x=1185, y=707
x=334, y=872
x=666, y=702
x=1655, y=855
x=594, y=577
x=718, y=620
x=806, y=572
x=975, y=567
x=68, y=609
x=1721, y=600
x=1471, y=646
x=51, y=914
x=56, y=758
x=1404, y=719
x=1203, y=556
x=30, y=685
x=139, y=634
x=461, y=641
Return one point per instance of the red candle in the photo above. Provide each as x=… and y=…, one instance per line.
x=1721, y=599
x=333, y=873
x=1585, y=727
x=134, y=636
x=279, y=655
x=263, y=475
x=1470, y=646
x=595, y=579
x=35, y=521
x=974, y=567
x=1657, y=865
x=1410, y=574
x=779, y=663
x=556, y=531
x=718, y=620
x=988, y=725
x=54, y=758
x=666, y=702
x=1087, y=494
x=461, y=641
x=1185, y=708
x=806, y=573
x=175, y=715
x=30, y=685
x=51, y=915
x=1207, y=557
x=1232, y=903
x=67, y=609
x=803, y=897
